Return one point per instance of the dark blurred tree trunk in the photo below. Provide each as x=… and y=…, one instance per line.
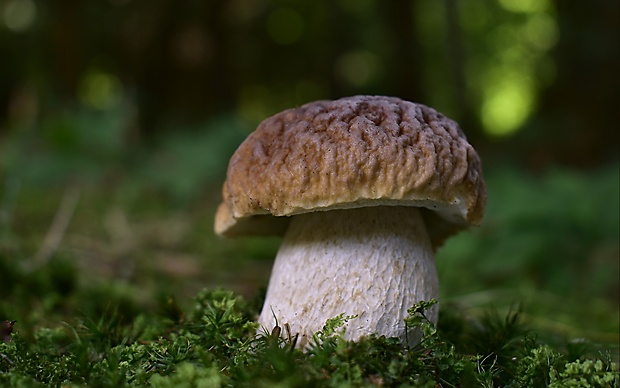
x=168, y=87
x=152, y=68
x=222, y=77
x=65, y=48
x=465, y=113
x=407, y=68
x=578, y=114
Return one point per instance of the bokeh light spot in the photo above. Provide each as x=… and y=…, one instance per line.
x=19, y=15
x=542, y=31
x=525, y=6
x=285, y=25
x=356, y=67
x=356, y=6
x=309, y=90
x=100, y=90
x=475, y=16
x=507, y=106
x=253, y=104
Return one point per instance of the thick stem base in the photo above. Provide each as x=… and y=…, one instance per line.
x=372, y=262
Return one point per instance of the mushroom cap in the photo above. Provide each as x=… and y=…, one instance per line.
x=353, y=152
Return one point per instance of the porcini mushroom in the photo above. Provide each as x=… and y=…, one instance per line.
x=363, y=189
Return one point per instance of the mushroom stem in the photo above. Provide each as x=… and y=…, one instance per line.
x=372, y=262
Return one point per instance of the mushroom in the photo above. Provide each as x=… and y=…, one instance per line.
x=363, y=189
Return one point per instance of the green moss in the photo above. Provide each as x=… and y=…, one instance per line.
x=215, y=344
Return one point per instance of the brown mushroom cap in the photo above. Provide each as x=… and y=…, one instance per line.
x=353, y=152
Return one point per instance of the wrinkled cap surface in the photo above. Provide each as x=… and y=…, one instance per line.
x=352, y=152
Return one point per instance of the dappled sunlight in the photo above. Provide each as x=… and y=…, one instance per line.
x=506, y=73
x=510, y=84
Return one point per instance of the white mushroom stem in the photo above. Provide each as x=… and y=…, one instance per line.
x=372, y=262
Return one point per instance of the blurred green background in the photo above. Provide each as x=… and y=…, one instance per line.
x=118, y=117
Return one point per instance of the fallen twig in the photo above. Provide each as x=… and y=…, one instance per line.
x=58, y=227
